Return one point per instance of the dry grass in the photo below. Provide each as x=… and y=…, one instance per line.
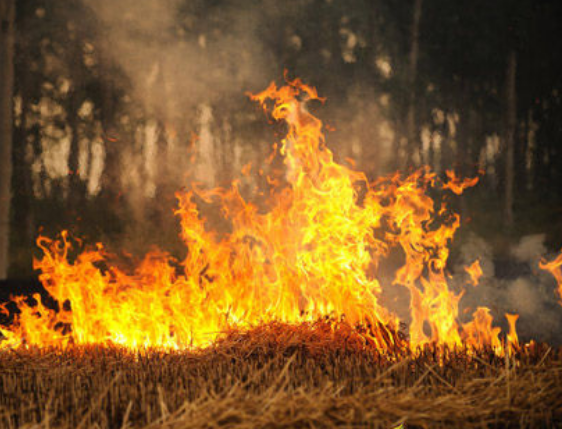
x=278, y=377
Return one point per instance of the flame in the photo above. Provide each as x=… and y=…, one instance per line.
x=480, y=330
x=475, y=272
x=554, y=267
x=512, y=338
x=315, y=252
x=457, y=184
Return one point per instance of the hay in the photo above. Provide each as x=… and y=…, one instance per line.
x=278, y=376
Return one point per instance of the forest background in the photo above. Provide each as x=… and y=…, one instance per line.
x=109, y=107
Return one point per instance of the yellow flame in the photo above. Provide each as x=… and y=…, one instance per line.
x=316, y=252
x=554, y=267
x=475, y=272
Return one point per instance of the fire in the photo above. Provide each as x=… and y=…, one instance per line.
x=555, y=268
x=475, y=272
x=316, y=252
x=512, y=338
x=457, y=184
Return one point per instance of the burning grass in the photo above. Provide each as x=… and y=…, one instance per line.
x=317, y=250
x=279, y=375
x=237, y=333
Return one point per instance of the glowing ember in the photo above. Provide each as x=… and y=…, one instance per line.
x=316, y=252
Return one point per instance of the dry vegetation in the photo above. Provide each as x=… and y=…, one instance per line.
x=278, y=377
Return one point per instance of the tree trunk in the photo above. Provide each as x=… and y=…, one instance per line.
x=511, y=123
x=7, y=23
x=411, y=129
x=520, y=155
x=23, y=228
x=111, y=178
x=75, y=188
x=463, y=138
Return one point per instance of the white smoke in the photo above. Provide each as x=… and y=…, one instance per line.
x=520, y=287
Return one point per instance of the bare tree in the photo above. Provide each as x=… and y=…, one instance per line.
x=411, y=128
x=7, y=18
x=511, y=123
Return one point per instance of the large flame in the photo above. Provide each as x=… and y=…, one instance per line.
x=316, y=252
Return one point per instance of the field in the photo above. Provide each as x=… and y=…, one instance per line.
x=279, y=376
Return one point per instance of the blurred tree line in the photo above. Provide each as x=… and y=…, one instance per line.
x=470, y=85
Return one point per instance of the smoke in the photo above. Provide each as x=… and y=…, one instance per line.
x=175, y=62
x=185, y=65
x=514, y=284
x=182, y=68
x=189, y=64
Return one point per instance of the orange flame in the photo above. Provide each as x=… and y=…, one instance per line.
x=555, y=268
x=512, y=338
x=315, y=252
x=456, y=184
x=475, y=272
